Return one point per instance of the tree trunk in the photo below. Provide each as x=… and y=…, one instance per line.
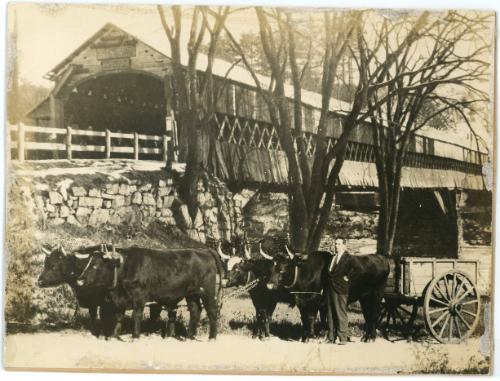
x=389, y=191
x=299, y=230
x=189, y=183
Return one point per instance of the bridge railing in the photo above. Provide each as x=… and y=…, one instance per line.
x=39, y=142
x=263, y=135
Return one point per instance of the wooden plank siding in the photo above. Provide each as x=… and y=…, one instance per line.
x=417, y=273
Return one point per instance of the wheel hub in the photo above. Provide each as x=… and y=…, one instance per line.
x=455, y=308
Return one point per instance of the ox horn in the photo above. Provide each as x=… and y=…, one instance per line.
x=82, y=256
x=221, y=254
x=107, y=253
x=63, y=251
x=290, y=254
x=45, y=251
x=247, y=251
x=263, y=253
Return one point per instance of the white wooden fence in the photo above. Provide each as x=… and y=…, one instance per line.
x=24, y=143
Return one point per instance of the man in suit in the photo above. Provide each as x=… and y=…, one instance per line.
x=338, y=290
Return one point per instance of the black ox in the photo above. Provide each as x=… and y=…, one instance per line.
x=310, y=273
x=258, y=272
x=64, y=268
x=61, y=268
x=135, y=276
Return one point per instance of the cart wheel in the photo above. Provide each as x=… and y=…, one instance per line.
x=451, y=307
x=401, y=314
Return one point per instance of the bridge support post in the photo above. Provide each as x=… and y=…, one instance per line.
x=136, y=146
x=460, y=199
x=68, y=143
x=108, y=144
x=165, y=148
x=20, y=142
x=168, y=141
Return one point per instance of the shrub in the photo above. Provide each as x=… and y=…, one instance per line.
x=21, y=262
x=25, y=302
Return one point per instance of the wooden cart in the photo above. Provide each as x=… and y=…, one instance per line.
x=445, y=288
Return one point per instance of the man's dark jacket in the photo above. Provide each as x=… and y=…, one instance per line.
x=341, y=274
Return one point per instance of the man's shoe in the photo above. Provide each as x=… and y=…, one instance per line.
x=342, y=342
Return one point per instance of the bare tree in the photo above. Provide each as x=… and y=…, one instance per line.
x=312, y=185
x=194, y=91
x=427, y=80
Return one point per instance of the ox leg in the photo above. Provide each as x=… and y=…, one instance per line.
x=211, y=308
x=267, y=320
x=137, y=315
x=370, y=307
x=194, y=308
x=172, y=318
x=323, y=321
x=118, y=323
x=265, y=324
x=311, y=319
x=107, y=318
x=255, y=331
x=307, y=323
x=260, y=324
x=94, y=327
x=154, y=316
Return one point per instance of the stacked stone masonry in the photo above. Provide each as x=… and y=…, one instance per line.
x=219, y=215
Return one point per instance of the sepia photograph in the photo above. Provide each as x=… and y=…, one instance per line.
x=249, y=189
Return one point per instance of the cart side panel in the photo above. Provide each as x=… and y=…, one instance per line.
x=417, y=273
x=470, y=268
x=442, y=266
x=420, y=276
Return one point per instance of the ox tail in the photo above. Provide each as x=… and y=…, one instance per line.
x=219, y=278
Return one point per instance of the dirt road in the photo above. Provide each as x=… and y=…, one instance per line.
x=234, y=353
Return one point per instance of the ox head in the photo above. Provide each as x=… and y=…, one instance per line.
x=58, y=267
x=100, y=271
x=241, y=271
x=285, y=271
x=232, y=265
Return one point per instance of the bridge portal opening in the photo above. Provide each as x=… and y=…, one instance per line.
x=124, y=102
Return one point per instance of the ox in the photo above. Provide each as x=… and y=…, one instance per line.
x=244, y=271
x=309, y=273
x=64, y=268
x=134, y=276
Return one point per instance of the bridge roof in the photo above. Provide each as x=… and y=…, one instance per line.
x=158, y=41
x=363, y=174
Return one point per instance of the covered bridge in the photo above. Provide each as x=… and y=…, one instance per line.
x=112, y=98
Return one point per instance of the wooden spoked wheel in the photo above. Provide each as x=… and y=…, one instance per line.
x=451, y=307
x=397, y=315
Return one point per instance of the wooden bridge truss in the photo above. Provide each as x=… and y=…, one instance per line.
x=262, y=135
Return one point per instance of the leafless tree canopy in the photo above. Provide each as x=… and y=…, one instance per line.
x=407, y=70
x=436, y=70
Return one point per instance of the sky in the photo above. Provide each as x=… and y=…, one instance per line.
x=47, y=33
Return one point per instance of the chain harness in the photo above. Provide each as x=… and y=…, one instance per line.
x=242, y=289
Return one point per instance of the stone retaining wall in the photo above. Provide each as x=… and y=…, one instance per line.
x=133, y=203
